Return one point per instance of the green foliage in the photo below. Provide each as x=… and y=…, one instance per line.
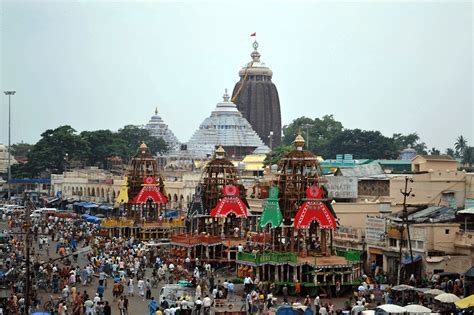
x=55, y=149
x=460, y=145
x=327, y=137
x=276, y=154
x=450, y=152
x=434, y=151
x=468, y=156
x=317, y=132
x=134, y=136
x=21, y=149
x=59, y=147
x=412, y=139
x=363, y=144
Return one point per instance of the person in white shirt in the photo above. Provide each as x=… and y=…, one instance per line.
x=198, y=306
x=206, y=303
x=171, y=267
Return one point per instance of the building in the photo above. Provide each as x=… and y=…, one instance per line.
x=225, y=127
x=4, y=159
x=257, y=99
x=440, y=186
x=159, y=129
x=430, y=163
x=436, y=247
x=89, y=184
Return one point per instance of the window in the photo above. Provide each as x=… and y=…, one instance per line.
x=393, y=242
x=419, y=244
x=404, y=243
x=446, y=231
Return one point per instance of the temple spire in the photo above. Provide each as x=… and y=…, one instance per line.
x=156, y=110
x=255, y=54
x=226, y=96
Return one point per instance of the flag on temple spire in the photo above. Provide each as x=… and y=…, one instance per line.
x=253, y=34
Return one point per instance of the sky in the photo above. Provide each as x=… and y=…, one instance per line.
x=394, y=66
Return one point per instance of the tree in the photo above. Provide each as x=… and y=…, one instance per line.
x=21, y=149
x=412, y=139
x=363, y=144
x=276, y=154
x=450, y=152
x=468, y=156
x=317, y=132
x=460, y=145
x=434, y=151
x=103, y=144
x=54, y=150
x=135, y=135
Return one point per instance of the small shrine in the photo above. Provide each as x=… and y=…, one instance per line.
x=142, y=203
x=296, y=227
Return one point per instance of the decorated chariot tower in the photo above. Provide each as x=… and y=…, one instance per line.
x=217, y=215
x=297, y=224
x=142, y=202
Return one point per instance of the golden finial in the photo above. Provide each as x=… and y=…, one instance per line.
x=143, y=147
x=299, y=141
x=220, y=152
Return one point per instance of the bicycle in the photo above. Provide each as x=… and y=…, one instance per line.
x=51, y=305
x=154, y=282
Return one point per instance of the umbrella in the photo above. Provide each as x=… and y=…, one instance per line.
x=434, y=292
x=391, y=308
x=466, y=302
x=447, y=298
x=403, y=287
x=417, y=309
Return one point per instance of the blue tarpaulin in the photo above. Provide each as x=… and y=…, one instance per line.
x=105, y=206
x=286, y=310
x=171, y=214
x=85, y=204
x=407, y=259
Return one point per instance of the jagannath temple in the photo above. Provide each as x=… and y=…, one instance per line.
x=225, y=127
x=256, y=97
x=143, y=203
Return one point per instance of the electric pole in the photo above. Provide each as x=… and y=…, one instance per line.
x=406, y=193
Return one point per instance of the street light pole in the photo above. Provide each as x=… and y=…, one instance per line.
x=9, y=93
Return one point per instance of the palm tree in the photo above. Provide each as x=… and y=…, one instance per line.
x=460, y=145
x=450, y=152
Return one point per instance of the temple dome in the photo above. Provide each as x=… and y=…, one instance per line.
x=225, y=127
x=159, y=129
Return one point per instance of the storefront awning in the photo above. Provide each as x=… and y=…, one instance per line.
x=407, y=260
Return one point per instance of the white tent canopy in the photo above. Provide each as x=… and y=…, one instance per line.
x=390, y=308
x=417, y=309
